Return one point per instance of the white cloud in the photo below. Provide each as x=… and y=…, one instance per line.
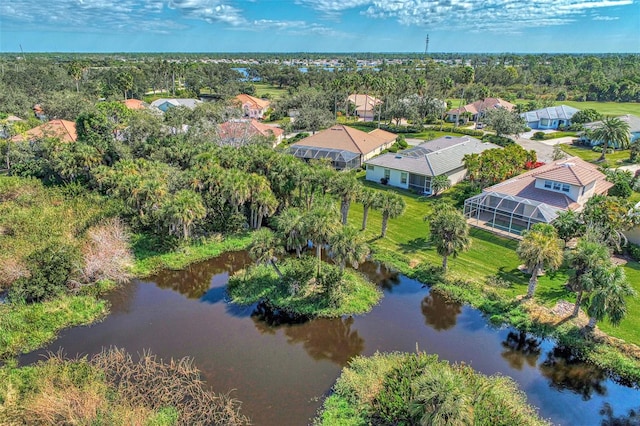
x=605, y=18
x=502, y=16
x=208, y=10
x=333, y=6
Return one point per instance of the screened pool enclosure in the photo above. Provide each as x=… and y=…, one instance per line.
x=507, y=213
x=340, y=158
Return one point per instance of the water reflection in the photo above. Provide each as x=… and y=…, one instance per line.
x=377, y=273
x=632, y=418
x=520, y=348
x=330, y=339
x=195, y=279
x=439, y=313
x=567, y=372
x=322, y=338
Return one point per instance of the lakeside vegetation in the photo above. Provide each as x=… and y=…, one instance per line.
x=186, y=194
x=418, y=389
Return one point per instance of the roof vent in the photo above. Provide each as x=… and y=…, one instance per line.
x=568, y=164
x=448, y=137
x=398, y=156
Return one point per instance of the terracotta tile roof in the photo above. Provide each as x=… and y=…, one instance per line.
x=62, y=129
x=348, y=139
x=134, y=104
x=361, y=101
x=248, y=128
x=252, y=101
x=573, y=171
x=483, y=105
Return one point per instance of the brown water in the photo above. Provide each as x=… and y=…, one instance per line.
x=282, y=370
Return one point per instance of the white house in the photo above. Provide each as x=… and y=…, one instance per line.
x=634, y=128
x=550, y=118
x=415, y=167
x=164, y=104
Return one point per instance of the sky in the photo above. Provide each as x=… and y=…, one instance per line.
x=475, y=26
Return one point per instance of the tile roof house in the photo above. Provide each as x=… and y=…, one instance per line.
x=253, y=107
x=240, y=132
x=550, y=118
x=478, y=109
x=61, y=129
x=414, y=168
x=539, y=195
x=345, y=146
x=634, y=128
x=164, y=104
x=134, y=104
x=365, y=105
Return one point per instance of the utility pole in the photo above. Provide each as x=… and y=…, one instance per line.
x=426, y=59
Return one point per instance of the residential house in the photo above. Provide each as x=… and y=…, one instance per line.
x=346, y=147
x=634, y=128
x=633, y=235
x=364, y=105
x=253, y=107
x=537, y=196
x=135, y=104
x=61, y=129
x=164, y=104
x=241, y=132
x=550, y=118
x=477, y=110
x=414, y=168
x=6, y=125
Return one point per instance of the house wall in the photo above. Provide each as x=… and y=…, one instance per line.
x=395, y=176
x=377, y=151
x=574, y=191
x=633, y=235
x=457, y=175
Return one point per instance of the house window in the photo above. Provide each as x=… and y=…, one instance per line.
x=387, y=174
x=556, y=186
x=565, y=187
x=547, y=184
x=403, y=178
x=370, y=167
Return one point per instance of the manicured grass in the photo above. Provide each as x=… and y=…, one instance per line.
x=606, y=108
x=615, y=159
x=274, y=92
x=629, y=329
x=149, y=260
x=25, y=327
x=406, y=245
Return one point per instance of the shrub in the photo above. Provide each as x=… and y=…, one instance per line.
x=50, y=269
x=498, y=140
x=106, y=253
x=538, y=136
x=634, y=251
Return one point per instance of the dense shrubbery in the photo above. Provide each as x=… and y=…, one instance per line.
x=498, y=140
x=415, y=389
x=456, y=129
x=302, y=291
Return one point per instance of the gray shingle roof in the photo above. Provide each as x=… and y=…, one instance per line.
x=562, y=112
x=632, y=120
x=433, y=158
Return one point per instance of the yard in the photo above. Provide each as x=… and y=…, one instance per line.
x=274, y=93
x=616, y=159
x=490, y=256
x=606, y=108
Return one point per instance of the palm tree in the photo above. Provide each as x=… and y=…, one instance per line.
x=608, y=297
x=320, y=223
x=441, y=399
x=449, y=232
x=348, y=246
x=264, y=248
x=440, y=183
x=586, y=259
x=612, y=132
x=182, y=209
x=290, y=225
x=391, y=205
x=346, y=187
x=367, y=197
x=539, y=249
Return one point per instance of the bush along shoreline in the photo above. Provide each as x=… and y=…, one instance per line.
x=620, y=360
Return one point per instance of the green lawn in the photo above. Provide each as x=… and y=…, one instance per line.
x=606, y=108
x=490, y=255
x=616, y=159
x=274, y=92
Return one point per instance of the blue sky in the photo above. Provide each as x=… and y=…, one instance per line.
x=523, y=26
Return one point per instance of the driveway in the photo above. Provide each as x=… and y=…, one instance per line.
x=544, y=149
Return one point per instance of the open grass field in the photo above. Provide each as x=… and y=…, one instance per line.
x=616, y=159
x=489, y=256
x=274, y=92
x=606, y=108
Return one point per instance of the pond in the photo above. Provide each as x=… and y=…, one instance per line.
x=281, y=371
